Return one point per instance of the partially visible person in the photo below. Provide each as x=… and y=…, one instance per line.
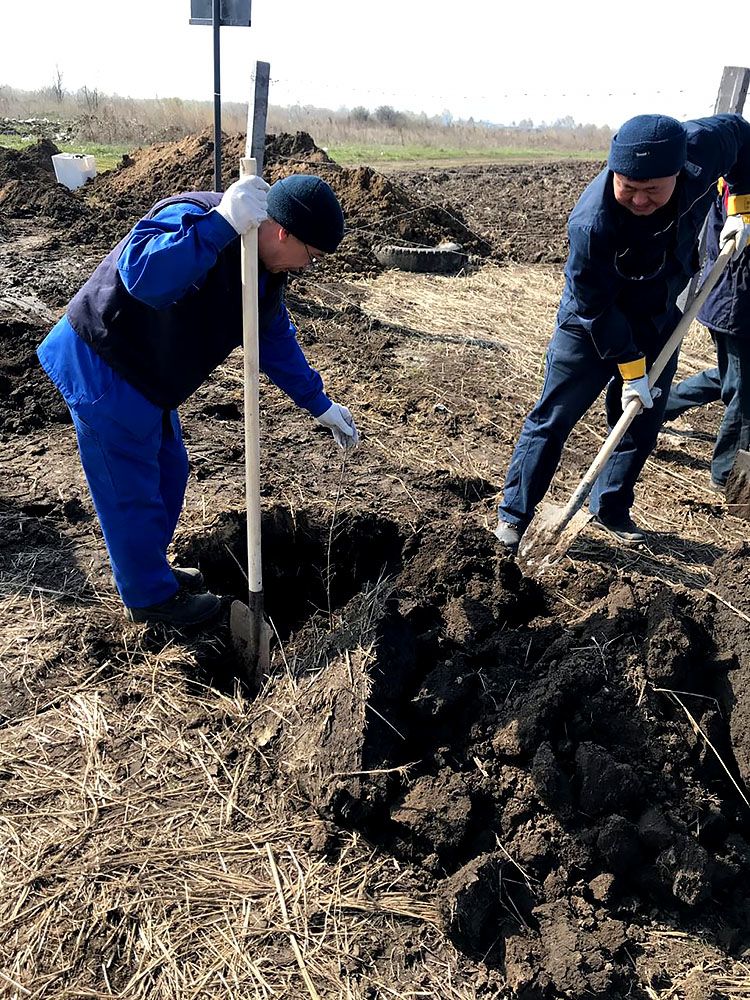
x=726, y=315
x=633, y=236
x=696, y=390
x=156, y=317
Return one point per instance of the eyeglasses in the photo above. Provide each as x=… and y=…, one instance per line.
x=633, y=270
x=313, y=260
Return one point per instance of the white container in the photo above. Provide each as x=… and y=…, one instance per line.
x=73, y=169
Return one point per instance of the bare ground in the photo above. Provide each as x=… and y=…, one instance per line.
x=457, y=782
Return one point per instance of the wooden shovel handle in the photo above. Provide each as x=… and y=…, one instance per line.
x=251, y=357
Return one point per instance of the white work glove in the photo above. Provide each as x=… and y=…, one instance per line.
x=341, y=424
x=735, y=226
x=243, y=204
x=637, y=388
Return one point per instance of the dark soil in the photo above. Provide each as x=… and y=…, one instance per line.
x=550, y=782
x=551, y=775
x=521, y=209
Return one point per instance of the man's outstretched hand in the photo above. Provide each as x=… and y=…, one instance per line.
x=341, y=424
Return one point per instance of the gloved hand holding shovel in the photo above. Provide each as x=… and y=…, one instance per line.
x=554, y=528
x=638, y=388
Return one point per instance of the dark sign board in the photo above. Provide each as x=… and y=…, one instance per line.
x=234, y=13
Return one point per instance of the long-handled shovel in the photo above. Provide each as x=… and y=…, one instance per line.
x=251, y=634
x=555, y=528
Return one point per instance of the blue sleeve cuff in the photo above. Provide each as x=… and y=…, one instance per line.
x=319, y=405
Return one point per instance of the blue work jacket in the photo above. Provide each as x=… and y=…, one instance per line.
x=624, y=273
x=164, y=308
x=727, y=308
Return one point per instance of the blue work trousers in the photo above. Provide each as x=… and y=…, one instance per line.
x=698, y=390
x=138, y=485
x=730, y=382
x=134, y=461
x=575, y=375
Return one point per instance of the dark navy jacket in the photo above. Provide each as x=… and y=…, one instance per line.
x=624, y=273
x=727, y=308
x=164, y=308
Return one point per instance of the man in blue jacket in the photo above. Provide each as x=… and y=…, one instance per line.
x=726, y=314
x=633, y=237
x=156, y=317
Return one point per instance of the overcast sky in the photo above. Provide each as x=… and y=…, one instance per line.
x=490, y=59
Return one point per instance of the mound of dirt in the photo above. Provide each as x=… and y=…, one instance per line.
x=376, y=208
x=29, y=398
x=732, y=574
x=379, y=210
x=528, y=223
x=419, y=209
x=28, y=186
x=21, y=199
x=549, y=778
x=296, y=150
x=31, y=164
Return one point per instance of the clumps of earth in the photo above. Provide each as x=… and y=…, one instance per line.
x=28, y=187
x=563, y=784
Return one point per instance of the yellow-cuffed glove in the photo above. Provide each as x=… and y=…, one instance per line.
x=737, y=226
x=635, y=384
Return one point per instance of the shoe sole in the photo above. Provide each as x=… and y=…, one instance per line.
x=158, y=620
x=630, y=543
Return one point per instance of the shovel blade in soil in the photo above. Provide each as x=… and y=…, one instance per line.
x=251, y=640
x=549, y=537
x=738, y=486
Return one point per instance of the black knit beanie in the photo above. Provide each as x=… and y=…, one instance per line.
x=306, y=206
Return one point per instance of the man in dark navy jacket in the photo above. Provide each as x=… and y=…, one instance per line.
x=157, y=316
x=726, y=314
x=633, y=237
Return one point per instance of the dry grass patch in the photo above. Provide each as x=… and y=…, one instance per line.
x=150, y=849
x=498, y=320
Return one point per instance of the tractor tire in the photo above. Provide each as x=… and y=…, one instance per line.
x=440, y=260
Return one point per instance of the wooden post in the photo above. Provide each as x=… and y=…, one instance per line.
x=257, y=114
x=732, y=90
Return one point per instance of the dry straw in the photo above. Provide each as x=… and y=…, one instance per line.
x=150, y=847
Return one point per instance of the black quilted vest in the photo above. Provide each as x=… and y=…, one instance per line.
x=167, y=353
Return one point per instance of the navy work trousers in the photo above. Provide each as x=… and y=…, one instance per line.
x=575, y=375
x=730, y=382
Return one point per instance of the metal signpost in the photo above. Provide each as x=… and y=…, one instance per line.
x=230, y=13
